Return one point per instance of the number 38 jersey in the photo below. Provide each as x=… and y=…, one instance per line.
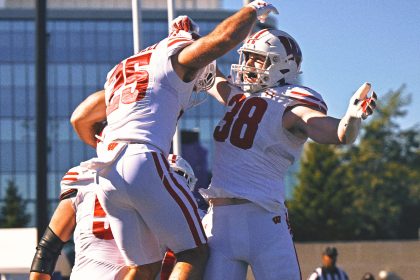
x=97, y=254
x=144, y=95
x=252, y=149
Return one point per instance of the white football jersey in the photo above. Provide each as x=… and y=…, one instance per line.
x=97, y=255
x=145, y=97
x=252, y=149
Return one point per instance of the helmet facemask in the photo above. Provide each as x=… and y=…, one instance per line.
x=250, y=78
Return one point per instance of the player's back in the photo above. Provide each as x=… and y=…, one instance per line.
x=144, y=95
x=253, y=150
x=96, y=253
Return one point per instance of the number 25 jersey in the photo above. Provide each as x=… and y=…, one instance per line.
x=144, y=95
x=252, y=149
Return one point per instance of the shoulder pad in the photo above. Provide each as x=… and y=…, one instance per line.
x=178, y=40
x=73, y=179
x=306, y=96
x=272, y=93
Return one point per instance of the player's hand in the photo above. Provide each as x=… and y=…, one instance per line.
x=263, y=9
x=184, y=23
x=362, y=106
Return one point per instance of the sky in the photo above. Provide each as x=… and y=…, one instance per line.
x=345, y=43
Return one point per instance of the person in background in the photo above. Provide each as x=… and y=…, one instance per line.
x=368, y=276
x=329, y=269
x=388, y=275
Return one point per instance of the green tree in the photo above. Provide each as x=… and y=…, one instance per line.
x=385, y=178
x=317, y=208
x=13, y=212
x=370, y=190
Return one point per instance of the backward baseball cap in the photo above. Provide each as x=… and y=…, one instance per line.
x=330, y=251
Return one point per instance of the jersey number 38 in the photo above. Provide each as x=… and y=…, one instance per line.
x=241, y=122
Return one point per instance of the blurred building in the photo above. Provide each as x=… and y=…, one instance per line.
x=85, y=40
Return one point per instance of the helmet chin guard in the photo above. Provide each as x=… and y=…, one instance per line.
x=283, y=59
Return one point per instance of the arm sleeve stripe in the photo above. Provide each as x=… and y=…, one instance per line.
x=72, y=179
x=312, y=104
x=298, y=95
x=68, y=194
x=309, y=96
x=172, y=42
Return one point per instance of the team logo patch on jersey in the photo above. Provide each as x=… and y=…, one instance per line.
x=112, y=146
x=277, y=219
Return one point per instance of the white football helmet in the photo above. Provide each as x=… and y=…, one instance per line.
x=204, y=82
x=183, y=168
x=283, y=59
x=206, y=77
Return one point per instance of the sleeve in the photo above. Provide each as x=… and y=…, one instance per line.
x=177, y=41
x=74, y=179
x=313, y=276
x=306, y=96
x=110, y=74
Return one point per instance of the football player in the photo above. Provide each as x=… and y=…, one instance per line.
x=182, y=168
x=144, y=96
x=268, y=119
x=79, y=211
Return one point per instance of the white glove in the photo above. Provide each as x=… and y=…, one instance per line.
x=360, y=105
x=184, y=23
x=263, y=9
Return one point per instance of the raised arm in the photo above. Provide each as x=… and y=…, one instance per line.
x=222, y=39
x=309, y=122
x=87, y=115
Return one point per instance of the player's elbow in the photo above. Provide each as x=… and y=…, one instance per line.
x=75, y=120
